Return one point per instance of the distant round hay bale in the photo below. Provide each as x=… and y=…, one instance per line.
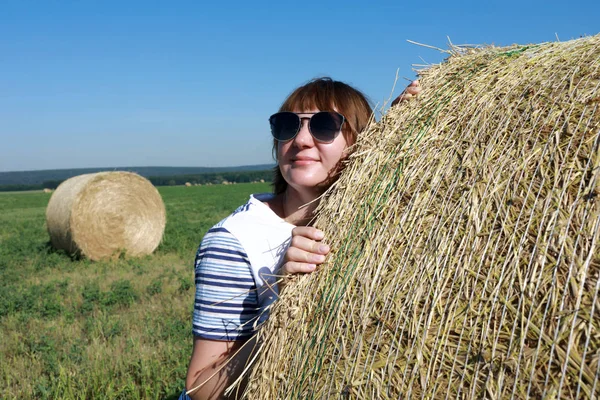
x=465, y=237
x=187, y=184
x=105, y=214
x=46, y=190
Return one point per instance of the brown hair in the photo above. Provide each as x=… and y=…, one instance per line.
x=325, y=94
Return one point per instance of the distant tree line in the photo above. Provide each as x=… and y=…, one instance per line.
x=202, y=179
x=213, y=178
x=44, y=176
x=19, y=188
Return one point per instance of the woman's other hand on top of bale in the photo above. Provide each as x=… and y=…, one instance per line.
x=411, y=91
x=306, y=251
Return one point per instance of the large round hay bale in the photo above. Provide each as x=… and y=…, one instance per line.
x=106, y=214
x=465, y=235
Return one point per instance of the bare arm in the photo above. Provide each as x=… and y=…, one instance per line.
x=215, y=365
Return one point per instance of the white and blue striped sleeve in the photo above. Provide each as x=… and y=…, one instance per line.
x=226, y=304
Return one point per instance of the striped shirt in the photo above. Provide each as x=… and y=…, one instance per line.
x=226, y=300
x=231, y=299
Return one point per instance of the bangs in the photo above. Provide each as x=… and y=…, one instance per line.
x=314, y=95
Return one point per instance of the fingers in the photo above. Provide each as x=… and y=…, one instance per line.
x=411, y=91
x=308, y=231
x=308, y=240
x=301, y=254
x=306, y=251
x=297, y=268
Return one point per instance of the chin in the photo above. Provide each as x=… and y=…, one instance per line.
x=318, y=184
x=305, y=183
x=301, y=180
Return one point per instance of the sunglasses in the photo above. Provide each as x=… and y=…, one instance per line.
x=324, y=126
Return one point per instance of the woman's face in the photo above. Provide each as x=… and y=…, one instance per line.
x=306, y=163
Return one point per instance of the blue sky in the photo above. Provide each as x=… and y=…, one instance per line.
x=192, y=83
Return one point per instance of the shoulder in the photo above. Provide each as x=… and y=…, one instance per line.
x=221, y=245
x=255, y=206
x=253, y=234
x=253, y=215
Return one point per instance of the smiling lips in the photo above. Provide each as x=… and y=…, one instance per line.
x=301, y=160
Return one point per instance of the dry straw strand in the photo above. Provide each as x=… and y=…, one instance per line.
x=106, y=214
x=465, y=235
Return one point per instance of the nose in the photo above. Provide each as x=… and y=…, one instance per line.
x=303, y=137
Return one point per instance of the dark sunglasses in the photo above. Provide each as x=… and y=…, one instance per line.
x=324, y=126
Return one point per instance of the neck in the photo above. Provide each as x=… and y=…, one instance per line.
x=298, y=207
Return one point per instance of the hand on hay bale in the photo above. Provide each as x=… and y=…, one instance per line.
x=411, y=91
x=306, y=251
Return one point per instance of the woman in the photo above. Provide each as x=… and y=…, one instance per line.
x=240, y=257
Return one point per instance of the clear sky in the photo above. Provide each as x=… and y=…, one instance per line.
x=192, y=83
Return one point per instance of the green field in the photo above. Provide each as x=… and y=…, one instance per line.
x=120, y=329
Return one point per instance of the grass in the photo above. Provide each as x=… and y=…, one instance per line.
x=75, y=329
